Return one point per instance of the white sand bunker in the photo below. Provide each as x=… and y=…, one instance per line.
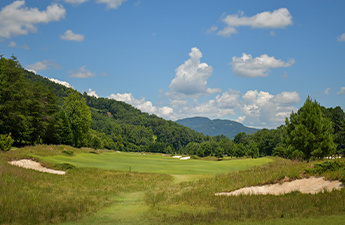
x=311, y=185
x=30, y=164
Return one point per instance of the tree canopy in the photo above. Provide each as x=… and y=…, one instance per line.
x=309, y=133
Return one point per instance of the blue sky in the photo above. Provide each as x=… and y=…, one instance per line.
x=250, y=61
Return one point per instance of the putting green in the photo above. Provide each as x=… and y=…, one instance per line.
x=155, y=163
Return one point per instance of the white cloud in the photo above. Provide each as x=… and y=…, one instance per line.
x=16, y=19
x=70, y=36
x=64, y=83
x=75, y=2
x=254, y=108
x=341, y=37
x=247, y=66
x=327, y=90
x=342, y=91
x=82, y=73
x=262, y=109
x=279, y=18
x=43, y=65
x=142, y=104
x=287, y=98
x=191, y=78
x=91, y=92
x=112, y=4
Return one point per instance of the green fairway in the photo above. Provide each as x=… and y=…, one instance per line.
x=155, y=163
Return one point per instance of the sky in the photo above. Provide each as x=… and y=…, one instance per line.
x=254, y=62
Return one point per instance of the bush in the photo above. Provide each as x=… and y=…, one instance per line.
x=6, y=142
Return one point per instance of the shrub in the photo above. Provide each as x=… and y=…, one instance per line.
x=6, y=142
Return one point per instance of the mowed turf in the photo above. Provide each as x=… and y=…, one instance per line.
x=155, y=163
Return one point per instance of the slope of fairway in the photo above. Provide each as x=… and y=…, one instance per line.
x=136, y=162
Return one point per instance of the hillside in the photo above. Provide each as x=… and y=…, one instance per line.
x=216, y=127
x=111, y=119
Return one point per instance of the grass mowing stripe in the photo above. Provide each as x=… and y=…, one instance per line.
x=155, y=163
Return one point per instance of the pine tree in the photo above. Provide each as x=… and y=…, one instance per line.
x=308, y=133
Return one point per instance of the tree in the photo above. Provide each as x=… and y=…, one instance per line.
x=6, y=142
x=308, y=133
x=240, y=138
x=253, y=150
x=14, y=100
x=337, y=116
x=79, y=117
x=240, y=150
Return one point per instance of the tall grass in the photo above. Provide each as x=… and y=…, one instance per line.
x=200, y=205
x=31, y=197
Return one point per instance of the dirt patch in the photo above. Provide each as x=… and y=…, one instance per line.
x=310, y=185
x=30, y=164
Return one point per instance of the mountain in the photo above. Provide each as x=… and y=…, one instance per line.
x=215, y=127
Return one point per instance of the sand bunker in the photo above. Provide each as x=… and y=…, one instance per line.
x=30, y=164
x=311, y=185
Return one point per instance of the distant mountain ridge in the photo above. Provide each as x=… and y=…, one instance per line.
x=215, y=127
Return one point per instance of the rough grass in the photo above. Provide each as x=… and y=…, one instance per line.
x=32, y=197
x=226, y=209
x=101, y=195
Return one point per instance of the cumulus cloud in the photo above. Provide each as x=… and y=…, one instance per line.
x=16, y=19
x=112, y=4
x=342, y=91
x=42, y=65
x=82, y=73
x=191, y=78
x=254, y=108
x=64, y=83
x=262, y=109
x=279, y=18
x=341, y=37
x=142, y=104
x=70, y=36
x=247, y=66
x=91, y=92
x=287, y=98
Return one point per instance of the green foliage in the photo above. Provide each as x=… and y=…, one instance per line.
x=6, y=142
x=96, y=143
x=79, y=117
x=320, y=168
x=15, y=98
x=308, y=133
x=253, y=150
x=337, y=116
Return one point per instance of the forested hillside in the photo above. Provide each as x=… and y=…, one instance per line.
x=216, y=127
x=35, y=110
